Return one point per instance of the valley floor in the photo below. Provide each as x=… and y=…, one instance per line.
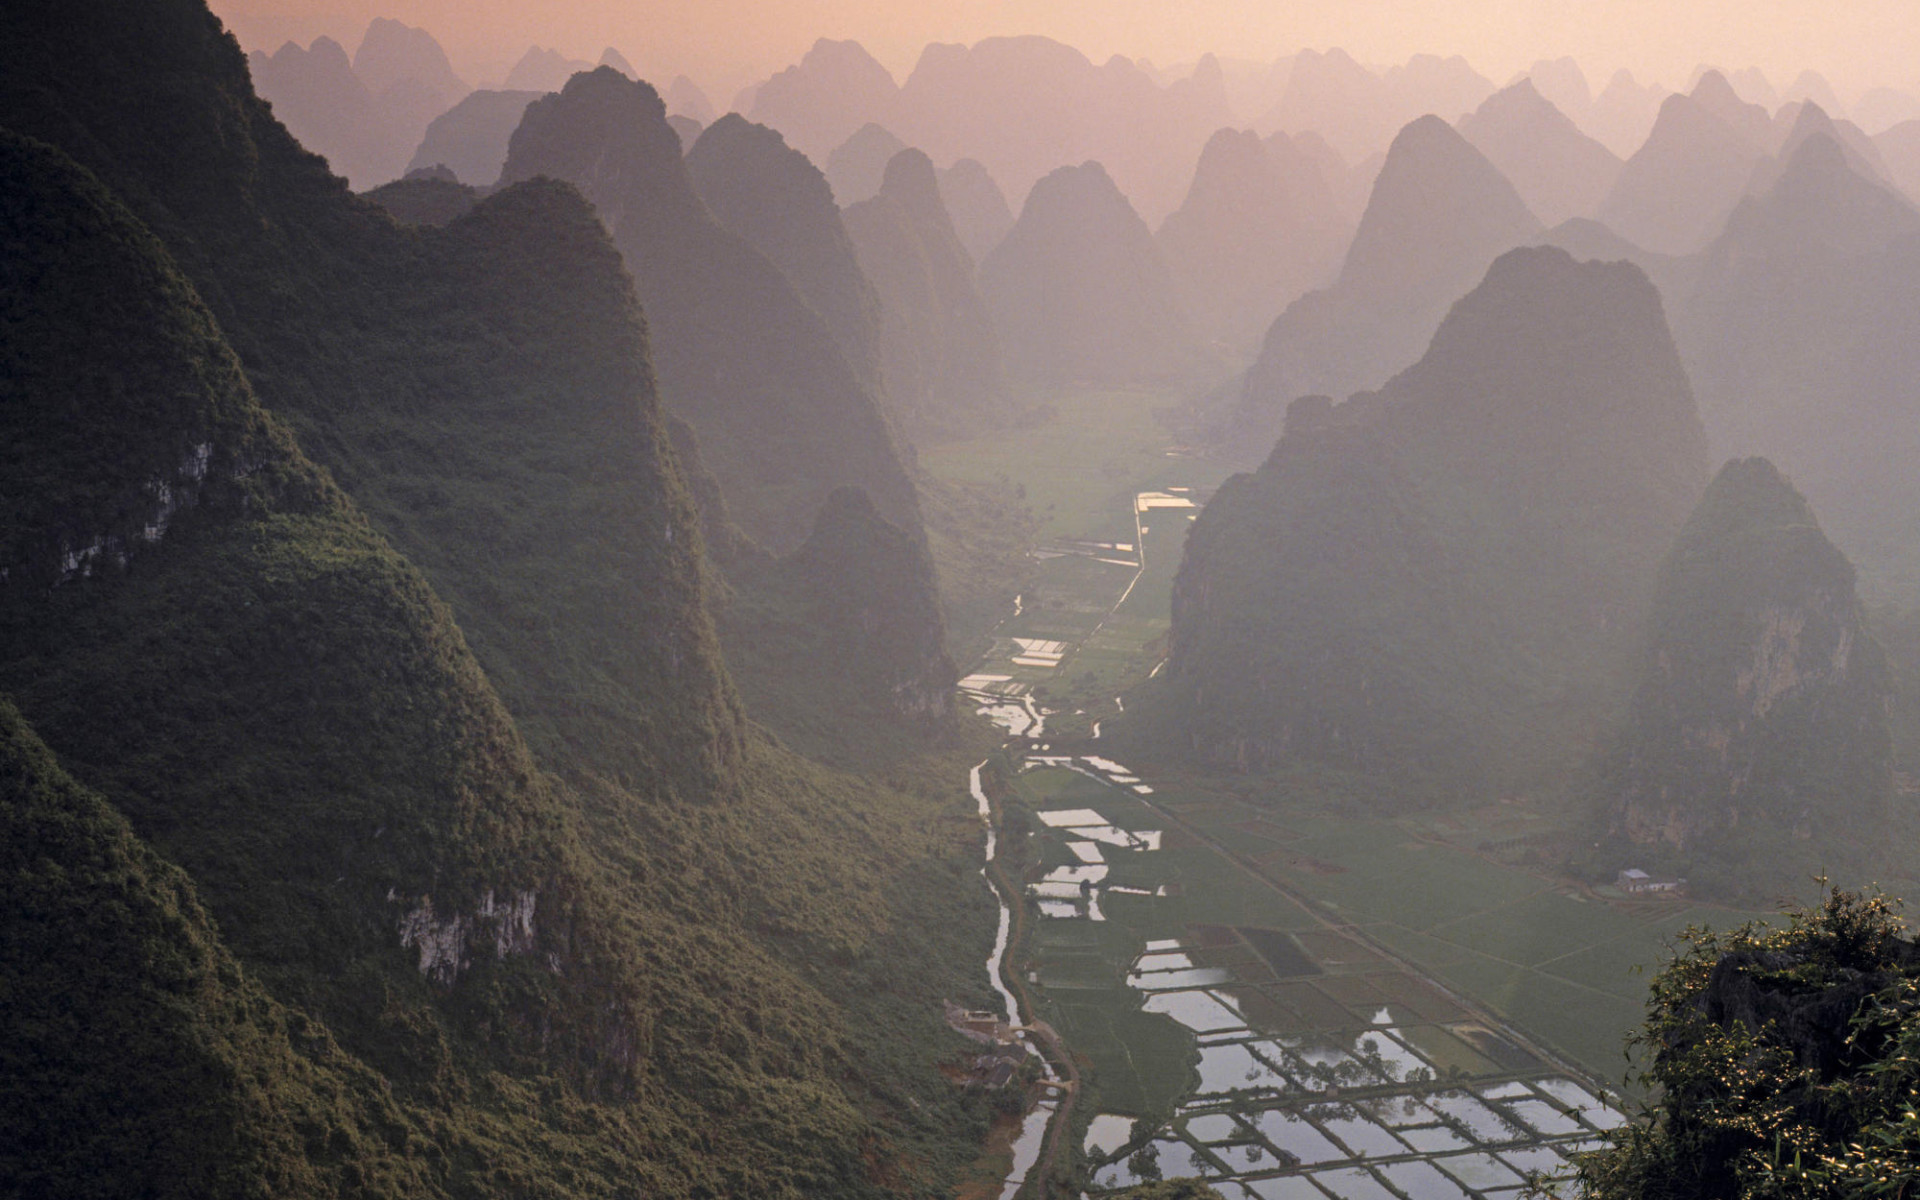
x=1268, y=982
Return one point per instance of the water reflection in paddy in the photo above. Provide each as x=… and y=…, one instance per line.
x=1224, y=1068
x=1418, y=1180
x=1354, y=1183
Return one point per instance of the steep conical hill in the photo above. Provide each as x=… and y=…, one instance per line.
x=1078, y=290
x=857, y=165
x=1798, y=336
x=1438, y=215
x=768, y=193
x=1258, y=229
x=783, y=419
x=977, y=205
x=1674, y=194
x=1761, y=709
x=1428, y=584
x=942, y=359
x=1559, y=171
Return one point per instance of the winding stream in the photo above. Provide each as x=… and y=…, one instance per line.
x=1033, y=1127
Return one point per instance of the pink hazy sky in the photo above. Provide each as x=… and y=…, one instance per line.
x=724, y=44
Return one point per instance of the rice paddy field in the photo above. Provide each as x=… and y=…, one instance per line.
x=1264, y=988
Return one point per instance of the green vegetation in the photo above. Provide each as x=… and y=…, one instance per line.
x=222, y=1090
x=438, y=728
x=1787, y=1061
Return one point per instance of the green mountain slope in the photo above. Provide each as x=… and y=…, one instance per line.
x=660, y=952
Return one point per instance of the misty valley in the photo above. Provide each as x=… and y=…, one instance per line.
x=1281, y=629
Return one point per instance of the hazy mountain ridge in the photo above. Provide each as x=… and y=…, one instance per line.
x=942, y=357
x=1438, y=215
x=1078, y=289
x=771, y=195
x=1513, y=489
x=782, y=418
x=1258, y=229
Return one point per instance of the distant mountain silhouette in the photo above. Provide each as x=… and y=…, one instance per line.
x=1559, y=171
x=1078, y=290
x=977, y=206
x=365, y=116
x=315, y=93
x=1799, y=336
x=1795, y=123
x=1624, y=112
x=1899, y=148
x=1429, y=584
x=687, y=130
x=1760, y=712
x=618, y=61
x=1026, y=105
x=543, y=70
x=394, y=55
x=941, y=360
x=783, y=420
x=471, y=137
x=857, y=165
x=685, y=99
x=1564, y=85
x=1358, y=112
x=771, y=195
x=1258, y=229
x=1439, y=214
x=819, y=102
x=1674, y=194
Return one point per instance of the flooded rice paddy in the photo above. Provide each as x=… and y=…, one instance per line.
x=1236, y=1032
x=1314, y=1068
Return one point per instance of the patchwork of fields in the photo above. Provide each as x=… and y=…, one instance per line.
x=1268, y=987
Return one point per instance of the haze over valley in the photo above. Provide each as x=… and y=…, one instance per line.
x=1281, y=606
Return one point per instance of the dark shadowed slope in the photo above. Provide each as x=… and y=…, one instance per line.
x=768, y=193
x=403, y=825
x=1439, y=214
x=1428, y=584
x=1078, y=290
x=941, y=360
x=783, y=419
x=140, y=1058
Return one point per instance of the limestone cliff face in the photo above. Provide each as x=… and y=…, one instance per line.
x=1762, y=696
